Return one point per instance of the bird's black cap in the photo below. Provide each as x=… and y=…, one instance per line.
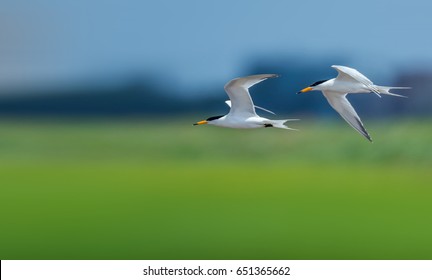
x=317, y=83
x=214, y=118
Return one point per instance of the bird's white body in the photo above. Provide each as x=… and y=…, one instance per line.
x=234, y=121
x=349, y=80
x=343, y=87
x=242, y=110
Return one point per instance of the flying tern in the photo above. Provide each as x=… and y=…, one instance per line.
x=349, y=80
x=242, y=110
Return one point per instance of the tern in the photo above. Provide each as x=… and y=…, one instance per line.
x=242, y=109
x=349, y=80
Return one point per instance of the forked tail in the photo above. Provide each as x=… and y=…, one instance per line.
x=386, y=90
x=281, y=123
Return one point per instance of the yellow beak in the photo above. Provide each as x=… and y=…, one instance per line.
x=201, y=122
x=305, y=90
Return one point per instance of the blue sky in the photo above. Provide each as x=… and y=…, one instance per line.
x=199, y=43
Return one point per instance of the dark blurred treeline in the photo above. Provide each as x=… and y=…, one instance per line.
x=136, y=97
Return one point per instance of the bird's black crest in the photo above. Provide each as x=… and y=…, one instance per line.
x=214, y=118
x=317, y=83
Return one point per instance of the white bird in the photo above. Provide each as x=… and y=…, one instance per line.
x=242, y=110
x=349, y=80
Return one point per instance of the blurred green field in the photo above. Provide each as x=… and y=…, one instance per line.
x=164, y=190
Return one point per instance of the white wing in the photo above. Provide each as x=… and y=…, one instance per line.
x=238, y=93
x=352, y=75
x=228, y=102
x=343, y=107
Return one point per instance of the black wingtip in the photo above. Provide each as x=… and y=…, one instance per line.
x=273, y=76
x=366, y=135
x=363, y=130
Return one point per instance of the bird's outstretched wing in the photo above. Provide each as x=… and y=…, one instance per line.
x=238, y=92
x=343, y=107
x=352, y=75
